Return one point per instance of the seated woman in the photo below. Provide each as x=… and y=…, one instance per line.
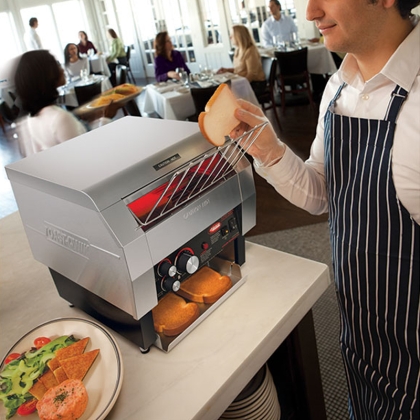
x=85, y=45
x=116, y=55
x=38, y=75
x=167, y=59
x=73, y=62
x=246, y=59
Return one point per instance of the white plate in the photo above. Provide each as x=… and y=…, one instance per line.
x=103, y=381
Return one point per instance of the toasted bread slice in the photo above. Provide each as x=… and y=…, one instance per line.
x=218, y=120
x=48, y=379
x=76, y=367
x=60, y=375
x=206, y=285
x=73, y=350
x=172, y=315
x=53, y=364
x=38, y=390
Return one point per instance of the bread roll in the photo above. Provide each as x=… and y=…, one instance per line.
x=206, y=285
x=172, y=315
x=218, y=119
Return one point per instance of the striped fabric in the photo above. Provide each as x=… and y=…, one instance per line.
x=375, y=245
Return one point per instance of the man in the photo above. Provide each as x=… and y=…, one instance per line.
x=33, y=40
x=364, y=169
x=277, y=26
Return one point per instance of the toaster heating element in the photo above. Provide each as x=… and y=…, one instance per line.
x=124, y=214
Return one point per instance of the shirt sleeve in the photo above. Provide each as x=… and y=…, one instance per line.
x=267, y=39
x=161, y=72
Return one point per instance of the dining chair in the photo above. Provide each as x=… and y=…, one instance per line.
x=266, y=98
x=293, y=74
x=200, y=97
x=131, y=107
x=129, y=72
x=85, y=93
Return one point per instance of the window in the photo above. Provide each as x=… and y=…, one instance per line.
x=10, y=48
x=211, y=21
x=165, y=15
x=59, y=24
x=253, y=13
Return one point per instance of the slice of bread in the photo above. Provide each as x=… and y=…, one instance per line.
x=76, y=367
x=206, y=285
x=218, y=119
x=172, y=314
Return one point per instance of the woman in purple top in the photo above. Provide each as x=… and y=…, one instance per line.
x=85, y=45
x=167, y=59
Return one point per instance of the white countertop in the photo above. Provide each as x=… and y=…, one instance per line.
x=205, y=372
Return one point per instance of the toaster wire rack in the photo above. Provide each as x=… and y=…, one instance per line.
x=197, y=176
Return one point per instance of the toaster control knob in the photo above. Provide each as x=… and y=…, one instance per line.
x=171, y=284
x=167, y=269
x=188, y=263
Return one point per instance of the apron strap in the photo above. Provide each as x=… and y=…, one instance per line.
x=336, y=96
x=398, y=96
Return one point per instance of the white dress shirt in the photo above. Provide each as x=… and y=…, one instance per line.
x=33, y=40
x=303, y=183
x=284, y=27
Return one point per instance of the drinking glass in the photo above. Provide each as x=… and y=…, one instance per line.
x=184, y=77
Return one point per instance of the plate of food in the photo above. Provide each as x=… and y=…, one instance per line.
x=66, y=366
x=119, y=95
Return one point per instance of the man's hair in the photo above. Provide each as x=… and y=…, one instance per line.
x=32, y=22
x=36, y=79
x=275, y=2
x=404, y=6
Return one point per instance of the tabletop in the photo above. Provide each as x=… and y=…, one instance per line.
x=173, y=101
x=205, y=372
x=320, y=60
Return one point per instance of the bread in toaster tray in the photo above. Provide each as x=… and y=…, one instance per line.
x=206, y=286
x=218, y=120
x=172, y=315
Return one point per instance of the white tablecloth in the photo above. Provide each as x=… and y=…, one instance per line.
x=67, y=94
x=320, y=60
x=98, y=64
x=174, y=102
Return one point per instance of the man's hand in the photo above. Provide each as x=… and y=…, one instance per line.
x=267, y=149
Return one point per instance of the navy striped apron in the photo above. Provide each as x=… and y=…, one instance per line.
x=375, y=245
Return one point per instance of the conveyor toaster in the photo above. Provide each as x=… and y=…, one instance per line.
x=125, y=213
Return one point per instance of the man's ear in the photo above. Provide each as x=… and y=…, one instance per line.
x=387, y=4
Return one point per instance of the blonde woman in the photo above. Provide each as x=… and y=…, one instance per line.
x=247, y=59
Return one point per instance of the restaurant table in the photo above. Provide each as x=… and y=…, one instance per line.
x=320, y=60
x=173, y=101
x=98, y=64
x=203, y=374
x=67, y=96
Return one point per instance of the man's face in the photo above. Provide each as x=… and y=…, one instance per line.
x=347, y=25
x=274, y=9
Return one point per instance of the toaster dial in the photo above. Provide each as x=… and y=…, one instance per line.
x=188, y=263
x=167, y=269
x=171, y=284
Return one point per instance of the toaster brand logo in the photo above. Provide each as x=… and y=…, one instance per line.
x=166, y=162
x=66, y=239
x=195, y=209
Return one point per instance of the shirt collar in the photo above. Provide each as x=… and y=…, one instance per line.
x=402, y=67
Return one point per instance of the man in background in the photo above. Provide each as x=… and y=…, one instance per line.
x=277, y=26
x=33, y=40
